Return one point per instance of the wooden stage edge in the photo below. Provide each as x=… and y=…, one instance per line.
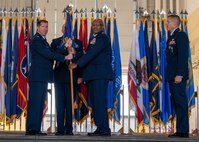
x=82, y=137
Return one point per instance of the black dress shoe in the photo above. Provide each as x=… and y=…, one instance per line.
x=105, y=134
x=69, y=133
x=34, y=132
x=99, y=134
x=31, y=132
x=179, y=135
x=95, y=133
x=41, y=133
x=59, y=133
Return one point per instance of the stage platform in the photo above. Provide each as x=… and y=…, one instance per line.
x=82, y=137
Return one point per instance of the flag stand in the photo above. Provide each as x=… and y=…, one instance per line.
x=121, y=130
x=130, y=131
x=196, y=131
x=50, y=92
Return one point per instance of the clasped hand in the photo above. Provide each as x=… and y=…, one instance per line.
x=69, y=57
x=72, y=66
x=70, y=49
x=178, y=79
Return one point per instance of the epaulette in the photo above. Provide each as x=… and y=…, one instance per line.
x=35, y=36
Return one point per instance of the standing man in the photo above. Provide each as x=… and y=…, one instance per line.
x=63, y=85
x=97, y=72
x=41, y=72
x=177, y=74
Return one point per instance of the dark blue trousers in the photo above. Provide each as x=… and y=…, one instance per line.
x=98, y=95
x=63, y=107
x=180, y=104
x=37, y=94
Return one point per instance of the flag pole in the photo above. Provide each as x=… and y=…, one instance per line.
x=68, y=10
x=72, y=91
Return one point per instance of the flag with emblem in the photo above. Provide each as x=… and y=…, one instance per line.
x=134, y=76
x=83, y=36
x=22, y=72
x=154, y=78
x=144, y=76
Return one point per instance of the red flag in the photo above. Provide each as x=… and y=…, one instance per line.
x=81, y=36
x=22, y=72
x=85, y=34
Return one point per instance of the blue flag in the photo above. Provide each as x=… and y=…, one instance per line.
x=110, y=91
x=166, y=109
x=154, y=78
x=190, y=81
x=144, y=84
x=105, y=22
x=117, y=73
x=7, y=74
x=15, y=78
x=75, y=30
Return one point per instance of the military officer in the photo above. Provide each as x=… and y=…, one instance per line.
x=177, y=74
x=97, y=72
x=41, y=72
x=63, y=85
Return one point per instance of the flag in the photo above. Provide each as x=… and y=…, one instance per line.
x=14, y=79
x=144, y=77
x=85, y=34
x=154, y=78
x=134, y=77
x=83, y=90
x=7, y=73
x=165, y=101
x=91, y=32
x=3, y=44
x=110, y=90
x=27, y=42
x=81, y=28
x=76, y=96
x=1, y=80
x=147, y=56
x=105, y=22
x=68, y=30
x=22, y=97
x=75, y=30
x=32, y=29
x=117, y=73
x=190, y=81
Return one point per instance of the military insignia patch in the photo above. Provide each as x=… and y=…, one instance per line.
x=93, y=41
x=76, y=46
x=171, y=44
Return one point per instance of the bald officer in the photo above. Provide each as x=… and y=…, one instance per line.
x=97, y=72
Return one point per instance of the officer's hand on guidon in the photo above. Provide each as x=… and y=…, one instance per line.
x=72, y=66
x=69, y=57
x=79, y=80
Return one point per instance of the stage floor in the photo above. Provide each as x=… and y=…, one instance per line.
x=80, y=137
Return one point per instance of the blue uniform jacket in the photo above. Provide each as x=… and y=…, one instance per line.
x=177, y=55
x=42, y=57
x=61, y=71
x=96, y=63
